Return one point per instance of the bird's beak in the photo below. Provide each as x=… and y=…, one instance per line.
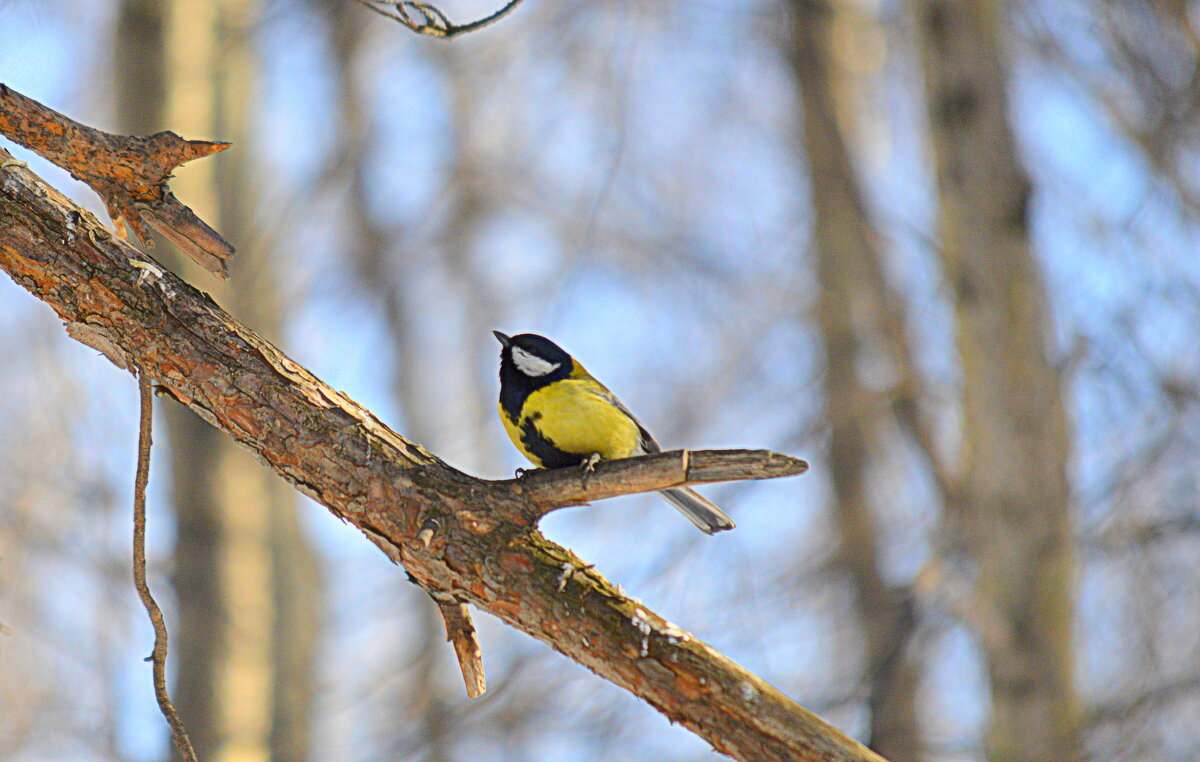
x=503, y=339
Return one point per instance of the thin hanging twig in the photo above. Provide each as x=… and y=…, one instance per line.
x=433, y=22
x=159, y=656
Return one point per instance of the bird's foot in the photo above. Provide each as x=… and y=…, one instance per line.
x=521, y=473
x=588, y=466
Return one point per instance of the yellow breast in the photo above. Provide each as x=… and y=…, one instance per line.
x=575, y=417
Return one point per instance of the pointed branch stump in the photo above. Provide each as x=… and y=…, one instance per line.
x=460, y=633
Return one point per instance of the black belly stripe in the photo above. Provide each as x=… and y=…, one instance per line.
x=543, y=448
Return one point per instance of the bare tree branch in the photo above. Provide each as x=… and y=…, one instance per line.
x=483, y=549
x=1149, y=699
x=433, y=22
x=550, y=490
x=130, y=173
x=159, y=656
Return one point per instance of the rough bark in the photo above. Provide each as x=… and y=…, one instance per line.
x=1014, y=427
x=483, y=551
x=853, y=314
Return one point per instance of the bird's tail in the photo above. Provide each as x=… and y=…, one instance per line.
x=707, y=517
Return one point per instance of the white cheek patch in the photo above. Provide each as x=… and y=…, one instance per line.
x=532, y=365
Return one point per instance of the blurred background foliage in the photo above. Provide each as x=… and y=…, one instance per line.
x=763, y=224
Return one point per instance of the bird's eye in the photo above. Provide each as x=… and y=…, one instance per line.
x=531, y=364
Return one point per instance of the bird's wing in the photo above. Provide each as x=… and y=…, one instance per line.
x=648, y=445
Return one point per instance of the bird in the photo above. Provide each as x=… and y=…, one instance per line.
x=558, y=415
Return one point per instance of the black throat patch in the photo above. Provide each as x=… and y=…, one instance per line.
x=515, y=386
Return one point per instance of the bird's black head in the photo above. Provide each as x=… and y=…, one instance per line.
x=534, y=356
x=529, y=362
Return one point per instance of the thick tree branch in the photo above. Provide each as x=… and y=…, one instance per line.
x=460, y=537
x=130, y=173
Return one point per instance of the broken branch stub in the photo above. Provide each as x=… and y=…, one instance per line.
x=128, y=172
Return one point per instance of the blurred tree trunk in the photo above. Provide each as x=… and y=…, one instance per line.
x=246, y=578
x=854, y=313
x=387, y=273
x=1015, y=430
x=423, y=701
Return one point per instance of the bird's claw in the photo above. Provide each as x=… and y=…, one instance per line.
x=588, y=466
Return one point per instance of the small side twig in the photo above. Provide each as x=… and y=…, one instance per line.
x=432, y=21
x=159, y=656
x=460, y=632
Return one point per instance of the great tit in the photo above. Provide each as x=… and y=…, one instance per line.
x=557, y=415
